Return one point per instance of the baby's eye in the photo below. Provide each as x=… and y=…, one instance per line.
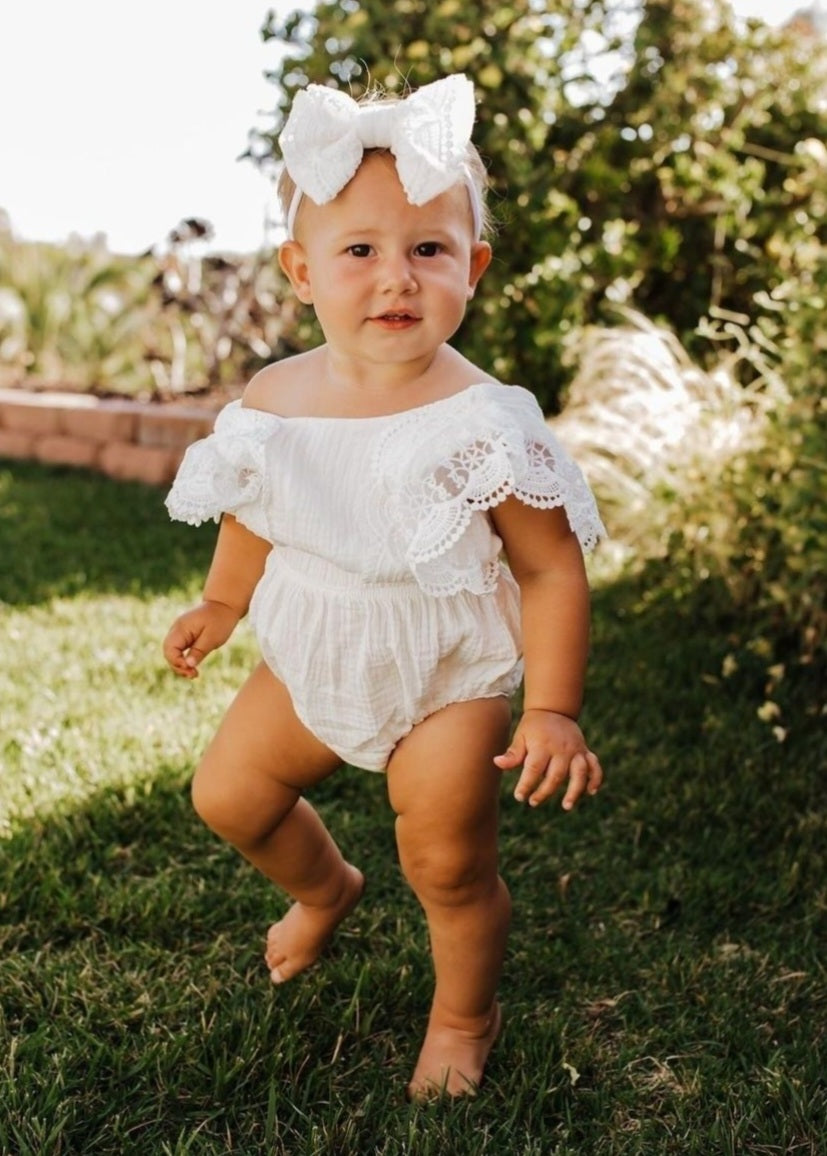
x=359, y=250
x=428, y=249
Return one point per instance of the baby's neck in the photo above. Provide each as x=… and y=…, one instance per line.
x=312, y=384
x=368, y=391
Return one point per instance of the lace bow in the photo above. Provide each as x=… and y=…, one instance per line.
x=428, y=132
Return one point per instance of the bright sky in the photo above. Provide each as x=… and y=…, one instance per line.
x=122, y=119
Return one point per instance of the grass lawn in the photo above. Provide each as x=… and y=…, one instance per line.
x=665, y=989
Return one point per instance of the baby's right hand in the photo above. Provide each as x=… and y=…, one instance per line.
x=197, y=632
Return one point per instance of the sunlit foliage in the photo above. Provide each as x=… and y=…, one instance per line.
x=654, y=154
x=176, y=319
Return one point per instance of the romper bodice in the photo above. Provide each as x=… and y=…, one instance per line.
x=394, y=498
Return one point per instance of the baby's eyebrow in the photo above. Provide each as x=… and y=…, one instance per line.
x=355, y=236
x=416, y=236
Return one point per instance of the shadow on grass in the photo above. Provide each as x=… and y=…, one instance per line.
x=65, y=532
x=664, y=988
x=137, y=1006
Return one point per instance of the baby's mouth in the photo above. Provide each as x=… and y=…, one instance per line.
x=394, y=315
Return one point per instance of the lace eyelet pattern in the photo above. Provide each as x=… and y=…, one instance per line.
x=440, y=473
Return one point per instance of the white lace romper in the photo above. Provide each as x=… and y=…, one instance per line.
x=384, y=597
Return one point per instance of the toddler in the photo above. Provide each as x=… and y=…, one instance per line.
x=366, y=491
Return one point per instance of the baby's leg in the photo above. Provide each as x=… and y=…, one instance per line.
x=248, y=790
x=444, y=788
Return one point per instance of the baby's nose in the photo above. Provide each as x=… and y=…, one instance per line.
x=399, y=275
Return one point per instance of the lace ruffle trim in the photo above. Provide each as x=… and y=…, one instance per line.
x=434, y=510
x=222, y=473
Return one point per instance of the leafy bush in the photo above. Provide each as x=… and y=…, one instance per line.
x=70, y=315
x=715, y=488
x=661, y=158
x=219, y=318
x=173, y=320
x=761, y=527
x=763, y=530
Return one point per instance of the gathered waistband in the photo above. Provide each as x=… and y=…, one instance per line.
x=311, y=570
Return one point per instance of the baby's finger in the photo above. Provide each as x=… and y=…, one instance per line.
x=511, y=758
x=172, y=650
x=579, y=778
x=194, y=658
x=595, y=781
x=182, y=657
x=553, y=778
x=533, y=772
x=175, y=659
x=515, y=754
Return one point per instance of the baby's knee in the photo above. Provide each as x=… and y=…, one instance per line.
x=223, y=804
x=448, y=875
x=211, y=801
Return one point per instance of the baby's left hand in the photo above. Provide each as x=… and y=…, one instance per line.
x=551, y=748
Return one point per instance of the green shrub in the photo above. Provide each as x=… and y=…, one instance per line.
x=763, y=530
x=716, y=488
x=666, y=160
x=70, y=315
x=170, y=321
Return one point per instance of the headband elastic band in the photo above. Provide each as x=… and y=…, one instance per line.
x=473, y=197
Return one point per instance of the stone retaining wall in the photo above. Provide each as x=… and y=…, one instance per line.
x=125, y=439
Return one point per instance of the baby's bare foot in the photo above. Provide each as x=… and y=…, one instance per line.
x=452, y=1060
x=297, y=940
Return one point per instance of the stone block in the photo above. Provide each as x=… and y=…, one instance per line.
x=173, y=428
x=16, y=445
x=66, y=451
x=104, y=422
x=128, y=462
x=122, y=438
x=34, y=414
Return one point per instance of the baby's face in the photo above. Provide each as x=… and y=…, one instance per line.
x=388, y=279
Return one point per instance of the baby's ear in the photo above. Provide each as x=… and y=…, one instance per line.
x=480, y=260
x=293, y=263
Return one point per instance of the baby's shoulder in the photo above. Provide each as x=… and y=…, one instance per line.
x=456, y=373
x=282, y=388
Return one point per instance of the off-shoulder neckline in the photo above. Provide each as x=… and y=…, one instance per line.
x=429, y=405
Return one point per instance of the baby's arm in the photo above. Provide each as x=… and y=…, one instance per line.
x=237, y=565
x=547, y=562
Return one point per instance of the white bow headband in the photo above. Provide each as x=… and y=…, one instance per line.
x=327, y=132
